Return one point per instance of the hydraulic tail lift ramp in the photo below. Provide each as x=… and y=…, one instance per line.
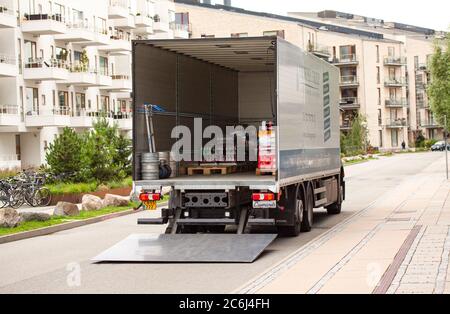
x=188, y=248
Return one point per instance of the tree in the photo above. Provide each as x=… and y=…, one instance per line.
x=64, y=155
x=355, y=141
x=122, y=155
x=99, y=152
x=439, y=89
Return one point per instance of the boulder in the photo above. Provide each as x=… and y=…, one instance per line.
x=35, y=217
x=9, y=218
x=115, y=201
x=66, y=209
x=91, y=202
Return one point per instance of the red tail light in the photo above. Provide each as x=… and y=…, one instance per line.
x=145, y=197
x=263, y=197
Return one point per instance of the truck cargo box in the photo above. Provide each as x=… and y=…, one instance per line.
x=239, y=81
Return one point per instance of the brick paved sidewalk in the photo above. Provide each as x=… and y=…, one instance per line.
x=399, y=244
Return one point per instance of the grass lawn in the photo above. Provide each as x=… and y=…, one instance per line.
x=77, y=188
x=355, y=162
x=33, y=225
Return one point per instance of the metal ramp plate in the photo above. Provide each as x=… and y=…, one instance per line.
x=188, y=248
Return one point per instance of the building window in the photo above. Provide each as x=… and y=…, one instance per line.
x=391, y=51
x=378, y=54
x=237, y=35
x=207, y=36
x=378, y=75
x=347, y=52
x=279, y=33
x=381, y=138
x=394, y=138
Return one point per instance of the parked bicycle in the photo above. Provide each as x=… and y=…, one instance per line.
x=27, y=187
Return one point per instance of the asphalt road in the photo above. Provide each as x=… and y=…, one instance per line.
x=60, y=263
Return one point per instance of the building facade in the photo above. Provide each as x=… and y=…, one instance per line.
x=383, y=72
x=67, y=63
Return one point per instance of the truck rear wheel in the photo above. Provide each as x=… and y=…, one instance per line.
x=295, y=203
x=308, y=215
x=336, y=208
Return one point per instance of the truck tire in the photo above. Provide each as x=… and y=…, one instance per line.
x=308, y=214
x=296, y=203
x=336, y=208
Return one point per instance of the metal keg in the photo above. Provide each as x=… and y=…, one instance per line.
x=150, y=166
x=164, y=158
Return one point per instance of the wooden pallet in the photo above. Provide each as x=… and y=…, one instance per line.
x=207, y=171
x=266, y=172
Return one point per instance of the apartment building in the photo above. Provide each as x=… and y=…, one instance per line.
x=380, y=71
x=68, y=62
x=417, y=45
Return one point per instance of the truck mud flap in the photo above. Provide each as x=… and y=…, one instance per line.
x=188, y=248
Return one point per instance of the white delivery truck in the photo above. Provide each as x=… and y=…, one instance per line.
x=264, y=82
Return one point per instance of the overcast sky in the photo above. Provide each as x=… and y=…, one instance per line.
x=433, y=14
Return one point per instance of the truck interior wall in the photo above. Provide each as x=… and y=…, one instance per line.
x=256, y=97
x=186, y=88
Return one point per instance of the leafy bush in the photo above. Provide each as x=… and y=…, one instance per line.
x=420, y=141
x=64, y=155
x=355, y=141
x=100, y=155
x=430, y=143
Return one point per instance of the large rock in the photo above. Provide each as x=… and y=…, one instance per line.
x=91, y=202
x=35, y=217
x=9, y=218
x=66, y=209
x=115, y=201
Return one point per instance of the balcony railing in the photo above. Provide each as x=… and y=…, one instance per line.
x=346, y=59
x=396, y=103
x=9, y=110
x=82, y=25
x=396, y=82
x=396, y=123
x=44, y=17
x=346, y=125
x=349, y=80
x=421, y=67
x=120, y=77
x=119, y=3
x=397, y=61
x=9, y=158
x=8, y=59
x=6, y=11
x=52, y=63
x=349, y=103
x=430, y=124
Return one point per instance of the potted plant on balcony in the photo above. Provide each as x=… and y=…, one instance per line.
x=156, y=18
x=84, y=61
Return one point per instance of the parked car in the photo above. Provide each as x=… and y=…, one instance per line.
x=439, y=147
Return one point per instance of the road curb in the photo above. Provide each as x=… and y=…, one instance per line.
x=65, y=226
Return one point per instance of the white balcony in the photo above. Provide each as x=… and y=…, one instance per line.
x=123, y=96
x=118, y=9
x=58, y=118
x=180, y=31
x=82, y=119
x=8, y=66
x=161, y=26
x=53, y=70
x=117, y=46
x=10, y=162
x=124, y=121
x=79, y=76
x=104, y=80
x=7, y=18
x=143, y=21
x=44, y=24
x=85, y=35
x=125, y=23
x=9, y=115
x=120, y=83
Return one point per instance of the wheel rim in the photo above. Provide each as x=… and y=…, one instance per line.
x=300, y=210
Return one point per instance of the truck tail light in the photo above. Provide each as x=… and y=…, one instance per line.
x=263, y=197
x=145, y=197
